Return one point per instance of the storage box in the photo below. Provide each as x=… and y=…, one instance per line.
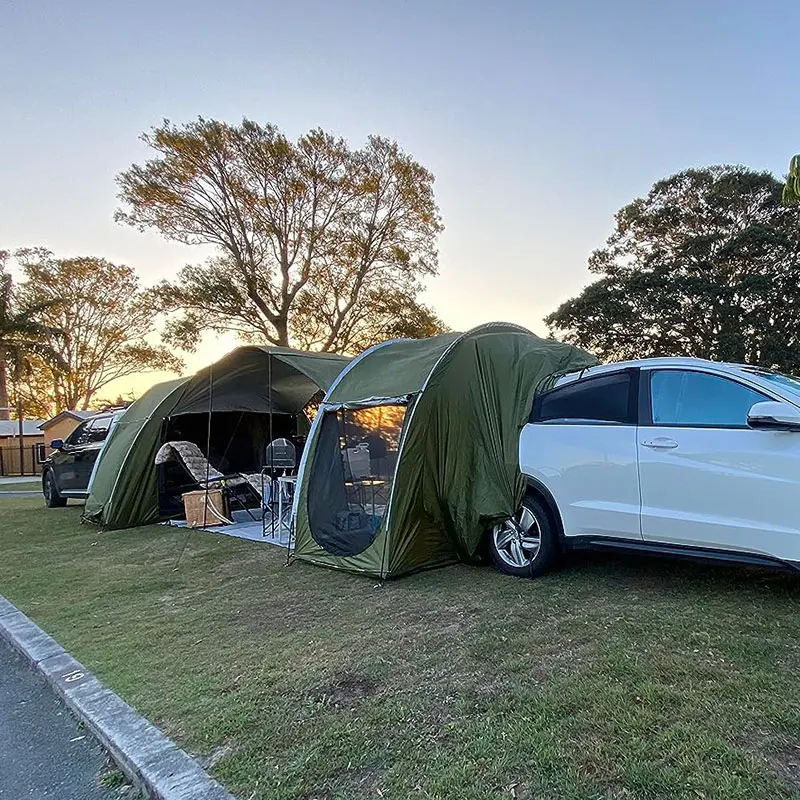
x=206, y=507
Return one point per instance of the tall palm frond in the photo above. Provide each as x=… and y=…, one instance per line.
x=791, y=189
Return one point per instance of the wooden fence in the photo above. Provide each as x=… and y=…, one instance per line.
x=32, y=457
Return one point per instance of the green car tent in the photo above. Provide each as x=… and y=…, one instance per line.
x=233, y=407
x=414, y=452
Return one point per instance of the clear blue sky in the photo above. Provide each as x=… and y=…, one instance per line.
x=539, y=119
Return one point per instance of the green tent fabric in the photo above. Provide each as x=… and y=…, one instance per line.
x=124, y=492
x=466, y=398
x=260, y=379
x=394, y=369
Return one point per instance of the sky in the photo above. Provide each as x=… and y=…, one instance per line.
x=539, y=119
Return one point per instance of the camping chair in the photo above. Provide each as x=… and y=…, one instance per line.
x=362, y=471
x=280, y=457
x=237, y=486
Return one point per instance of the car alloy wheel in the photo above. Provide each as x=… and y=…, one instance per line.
x=52, y=498
x=517, y=540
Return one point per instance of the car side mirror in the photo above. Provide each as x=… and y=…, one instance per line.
x=57, y=444
x=773, y=415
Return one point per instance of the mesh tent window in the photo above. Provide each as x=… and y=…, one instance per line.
x=352, y=476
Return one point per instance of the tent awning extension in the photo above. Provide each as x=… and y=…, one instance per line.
x=414, y=453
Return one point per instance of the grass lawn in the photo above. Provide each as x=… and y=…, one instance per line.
x=614, y=678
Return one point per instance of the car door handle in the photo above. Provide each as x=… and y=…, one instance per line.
x=660, y=443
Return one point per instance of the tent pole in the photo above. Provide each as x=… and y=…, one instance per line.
x=208, y=466
x=231, y=438
x=385, y=548
x=272, y=455
x=208, y=438
x=269, y=382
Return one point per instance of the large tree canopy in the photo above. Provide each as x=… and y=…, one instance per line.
x=314, y=239
x=707, y=265
x=106, y=320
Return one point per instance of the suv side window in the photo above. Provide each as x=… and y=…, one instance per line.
x=80, y=435
x=683, y=398
x=98, y=430
x=603, y=399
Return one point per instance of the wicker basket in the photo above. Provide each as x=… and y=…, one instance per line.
x=206, y=507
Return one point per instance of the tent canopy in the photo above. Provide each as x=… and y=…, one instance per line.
x=253, y=379
x=395, y=369
x=260, y=379
x=414, y=453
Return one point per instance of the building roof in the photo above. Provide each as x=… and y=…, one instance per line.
x=10, y=427
x=79, y=416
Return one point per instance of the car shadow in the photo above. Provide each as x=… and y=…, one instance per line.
x=683, y=575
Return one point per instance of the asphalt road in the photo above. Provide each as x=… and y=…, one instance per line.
x=44, y=753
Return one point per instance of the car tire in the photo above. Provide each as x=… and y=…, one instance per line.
x=50, y=491
x=527, y=544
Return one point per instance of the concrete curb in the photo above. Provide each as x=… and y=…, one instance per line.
x=148, y=757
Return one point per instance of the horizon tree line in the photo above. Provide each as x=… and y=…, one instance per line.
x=322, y=246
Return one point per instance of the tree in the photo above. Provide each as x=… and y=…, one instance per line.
x=293, y=223
x=106, y=318
x=32, y=394
x=120, y=401
x=706, y=265
x=380, y=314
x=24, y=336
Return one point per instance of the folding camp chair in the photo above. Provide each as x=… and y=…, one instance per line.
x=279, y=462
x=238, y=486
x=281, y=455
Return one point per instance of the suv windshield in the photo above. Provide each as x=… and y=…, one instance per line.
x=789, y=382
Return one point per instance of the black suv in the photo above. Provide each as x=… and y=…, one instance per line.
x=68, y=469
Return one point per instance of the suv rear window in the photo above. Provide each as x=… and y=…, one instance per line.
x=605, y=398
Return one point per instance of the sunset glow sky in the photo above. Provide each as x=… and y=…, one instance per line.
x=538, y=119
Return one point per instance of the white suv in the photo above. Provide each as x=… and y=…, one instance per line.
x=672, y=455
